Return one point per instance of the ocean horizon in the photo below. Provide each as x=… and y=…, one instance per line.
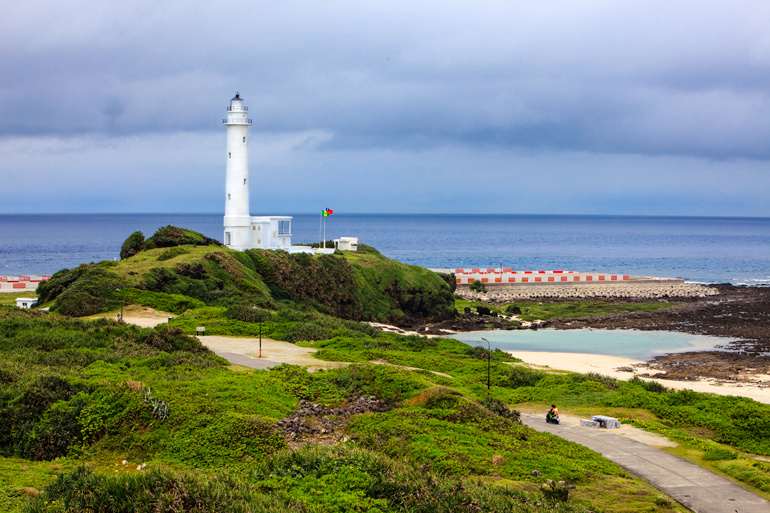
x=704, y=249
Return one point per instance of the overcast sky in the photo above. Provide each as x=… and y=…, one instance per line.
x=615, y=107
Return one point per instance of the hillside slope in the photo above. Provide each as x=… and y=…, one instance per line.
x=191, y=271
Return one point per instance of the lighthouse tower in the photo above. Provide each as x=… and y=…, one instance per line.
x=237, y=215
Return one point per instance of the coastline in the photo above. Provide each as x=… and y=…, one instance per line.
x=609, y=365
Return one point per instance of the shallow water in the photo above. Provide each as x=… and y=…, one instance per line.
x=634, y=344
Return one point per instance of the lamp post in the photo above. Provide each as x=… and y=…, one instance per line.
x=260, y=330
x=489, y=362
x=121, y=304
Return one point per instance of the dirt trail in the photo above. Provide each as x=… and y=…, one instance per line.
x=380, y=361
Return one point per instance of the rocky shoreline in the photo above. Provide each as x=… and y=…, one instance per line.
x=739, y=313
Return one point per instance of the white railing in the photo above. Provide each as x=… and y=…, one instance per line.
x=237, y=109
x=236, y=121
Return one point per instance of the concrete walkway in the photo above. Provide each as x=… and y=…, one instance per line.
x=247, y=361
x=694, y=487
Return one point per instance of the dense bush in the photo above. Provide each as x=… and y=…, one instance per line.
x=326, y=280
x=317, y=479
x=519, y=376
x=171, y=253
x=245, y=313
x=86, y=290
x=170, y=236
x=132, y=245
x=482, y=353
x=45, y=412
x=477, y=286
x=174, y=303
x=650, y=386
x=30, y=428
x=450, y=280
x=305, y=332
x=390, y=291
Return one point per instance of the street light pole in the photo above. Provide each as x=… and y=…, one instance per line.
x=260, y=331
x=121, y=305
x=489, y=363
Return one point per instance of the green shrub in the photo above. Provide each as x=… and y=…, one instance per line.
x=519, y=376
x=171, y=253
x=170, y=236
x=326, y=281
x=317, y=479
x=247, y=313
x=132, y=245
x=746, y=472
x=86, y=290
x=718, y=455
x=482, y=353
x=556, y=492
x=174, y=303
x=650, y=386
x=450, y=280
x=608, y=382
x=306, y=332
x=477, y=286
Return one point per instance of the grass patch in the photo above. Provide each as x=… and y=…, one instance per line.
x=9, y=298
x=566, y=309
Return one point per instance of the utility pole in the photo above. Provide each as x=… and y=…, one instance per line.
x=489, y=363
x=260, y=331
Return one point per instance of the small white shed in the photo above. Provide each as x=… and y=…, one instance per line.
x=346, y=243
x=25, y=302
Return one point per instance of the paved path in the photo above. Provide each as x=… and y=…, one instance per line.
x=695, y=487
x=247, y=361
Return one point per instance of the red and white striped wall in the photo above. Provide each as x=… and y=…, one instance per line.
x=12, y=283
x=467, y=276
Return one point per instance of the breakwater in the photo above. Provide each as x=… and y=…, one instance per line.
x=578, y=290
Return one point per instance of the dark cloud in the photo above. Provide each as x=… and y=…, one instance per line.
x=687, y=78
x=493, y=88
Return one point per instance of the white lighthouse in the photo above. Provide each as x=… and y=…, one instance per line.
x=237, y=215
x=242, y=231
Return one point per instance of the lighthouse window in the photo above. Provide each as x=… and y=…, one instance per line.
x=244, y=181
x=244, y=139
x=228, y=196
x=229, y=155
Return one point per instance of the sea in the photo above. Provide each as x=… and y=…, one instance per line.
x=699, y=249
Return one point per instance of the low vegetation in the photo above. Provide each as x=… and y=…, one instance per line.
x=89, y=391
x=561, y=308
x=104, y=416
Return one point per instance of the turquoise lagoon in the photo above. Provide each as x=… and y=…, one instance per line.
x=634, y=344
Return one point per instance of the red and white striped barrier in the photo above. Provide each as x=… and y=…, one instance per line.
x=539, y=277
x=12, y=283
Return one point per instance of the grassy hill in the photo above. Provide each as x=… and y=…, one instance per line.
x=194, y=273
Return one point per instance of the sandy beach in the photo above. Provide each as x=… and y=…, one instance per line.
x=609, y=365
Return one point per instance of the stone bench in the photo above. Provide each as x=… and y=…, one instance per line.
x=590, y=423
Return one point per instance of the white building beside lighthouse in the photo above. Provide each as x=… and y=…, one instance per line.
x=242, y=230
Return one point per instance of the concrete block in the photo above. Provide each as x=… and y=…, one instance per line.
x=606, y=422
x=590, y=423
